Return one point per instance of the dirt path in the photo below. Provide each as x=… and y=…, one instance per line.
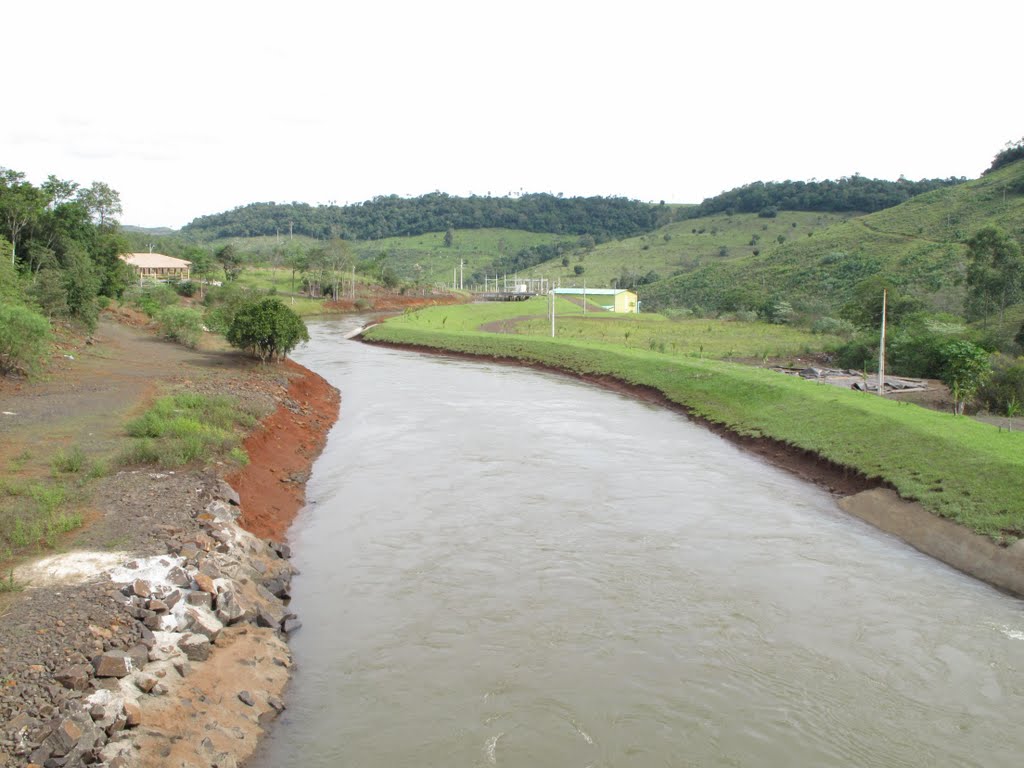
x=89, y=392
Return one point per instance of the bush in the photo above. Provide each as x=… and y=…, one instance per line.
x=181, y=324
x=965, y=369
x=834, y=326
x=222, y=306
x=153, y=298
x=1006, y=386
x=24, y=339
x=186, y=288
x=267, y=329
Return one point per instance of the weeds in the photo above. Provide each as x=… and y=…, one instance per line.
x=99, y=468
x=187, y=428
x=69, y=462
x=19, y=461
x=9, y=584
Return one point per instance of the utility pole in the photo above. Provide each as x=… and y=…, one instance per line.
x=552, y=294
x=584, y=296
x=461, y=274
x=881, y=351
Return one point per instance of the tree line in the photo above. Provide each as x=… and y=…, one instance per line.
x=848, y=194
x=62, y=244
x=603, y=218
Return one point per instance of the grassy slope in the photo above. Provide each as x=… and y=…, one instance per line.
x=919, y=244
x=690, y=245
x=958, y=468
x=477, y=247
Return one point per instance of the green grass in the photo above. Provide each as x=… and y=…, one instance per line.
x=687, y=245
x=34, y=515
x=70, y=461
x=187, y=428
x=957, y=468
x=685, y=336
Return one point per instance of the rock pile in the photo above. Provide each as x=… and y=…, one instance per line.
x=215, y=579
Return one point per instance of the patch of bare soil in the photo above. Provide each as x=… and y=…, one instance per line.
x=281, y=452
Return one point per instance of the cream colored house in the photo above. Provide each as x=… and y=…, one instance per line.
x=156, y=266
x=611, y=299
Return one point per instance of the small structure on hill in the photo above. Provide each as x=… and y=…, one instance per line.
x=157, y=266
x=609, y=299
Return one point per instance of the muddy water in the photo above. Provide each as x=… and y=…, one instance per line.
x=505, y=567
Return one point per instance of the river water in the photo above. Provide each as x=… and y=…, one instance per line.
x=512, y=568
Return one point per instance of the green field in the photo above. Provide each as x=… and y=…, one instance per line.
x=958, y=468
x=693, y=337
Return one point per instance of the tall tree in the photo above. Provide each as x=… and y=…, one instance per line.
x=21, y=204
x=103, y=202
x=995, y=273
x=231, y=261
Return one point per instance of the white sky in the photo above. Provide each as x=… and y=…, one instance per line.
x=190, y=108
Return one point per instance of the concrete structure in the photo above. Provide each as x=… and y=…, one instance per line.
x=157, y=266
x=611, y=299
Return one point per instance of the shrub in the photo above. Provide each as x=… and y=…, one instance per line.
x=181, y=324
x=1006, y=386
x=222, y=306
x=151, y=299
x=24, y=339
x=965, y=369
x=267, y=329
x=69, y=461
x=834, y=326
x=186, y=288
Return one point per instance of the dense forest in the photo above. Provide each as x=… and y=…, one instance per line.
x=853, y=193
x=603, y=218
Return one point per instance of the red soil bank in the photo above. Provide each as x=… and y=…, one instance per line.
x=281, y=452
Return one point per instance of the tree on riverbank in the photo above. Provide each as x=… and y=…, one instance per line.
x=267, y=329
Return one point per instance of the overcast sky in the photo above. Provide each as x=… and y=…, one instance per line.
x=190, y=108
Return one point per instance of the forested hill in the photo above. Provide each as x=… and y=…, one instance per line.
x=854, y=193
x=602, y=217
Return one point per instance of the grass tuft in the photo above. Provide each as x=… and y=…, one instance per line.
x=70, y=462
x=187, y=428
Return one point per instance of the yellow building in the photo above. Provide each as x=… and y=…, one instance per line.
x=610, y=299
x=157, y=266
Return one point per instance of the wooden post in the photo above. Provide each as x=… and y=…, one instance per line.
x=881, y=351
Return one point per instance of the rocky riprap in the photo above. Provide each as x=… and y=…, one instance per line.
x=79, y=662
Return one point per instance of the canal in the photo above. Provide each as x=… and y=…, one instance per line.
x=501, y=566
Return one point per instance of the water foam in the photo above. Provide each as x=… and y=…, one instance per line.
x=490, y=749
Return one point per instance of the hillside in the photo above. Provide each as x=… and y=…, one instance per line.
x=683, y=246
x=918, y=244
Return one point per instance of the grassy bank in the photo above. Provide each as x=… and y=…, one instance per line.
x=960, y=469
